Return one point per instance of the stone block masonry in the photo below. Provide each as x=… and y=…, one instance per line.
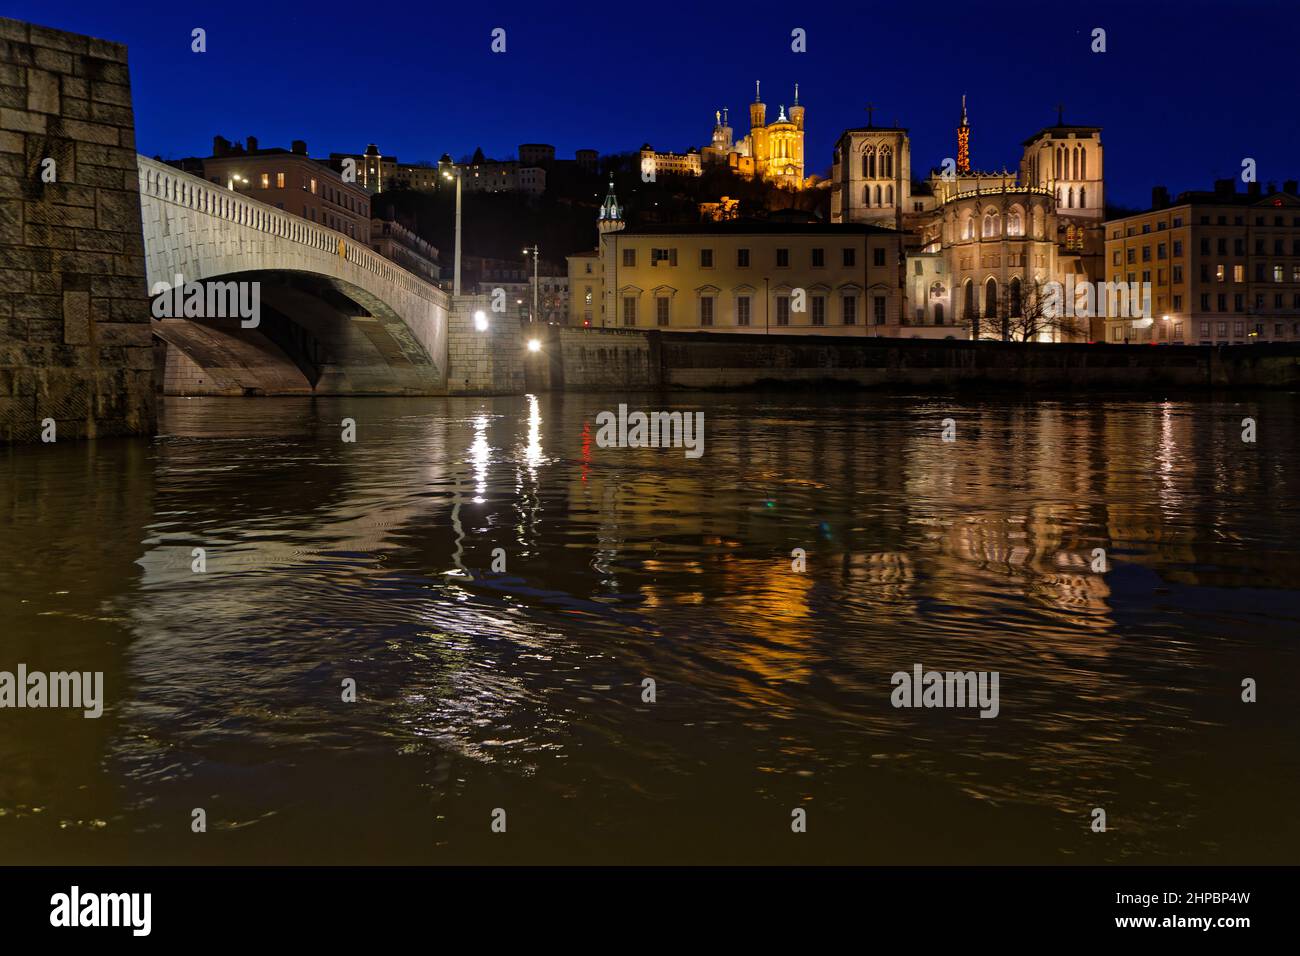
x=485, y=362
x=74, y=305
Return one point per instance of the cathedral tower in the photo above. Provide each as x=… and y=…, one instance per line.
x=963, y=140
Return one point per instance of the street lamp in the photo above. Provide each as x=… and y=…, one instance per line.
x=455, y=286
x=480, y=321
x=536, y=254
x=534, y=345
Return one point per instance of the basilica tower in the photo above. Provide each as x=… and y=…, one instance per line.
x=758, y=145
x=796, y=113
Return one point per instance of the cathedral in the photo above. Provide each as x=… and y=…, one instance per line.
x=772, y=151
x=979, y=242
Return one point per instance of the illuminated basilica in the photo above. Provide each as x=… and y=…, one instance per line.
x=772, y=151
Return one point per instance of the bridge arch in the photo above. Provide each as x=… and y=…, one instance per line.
x=346, y=319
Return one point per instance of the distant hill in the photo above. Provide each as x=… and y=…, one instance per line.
x=563, y=220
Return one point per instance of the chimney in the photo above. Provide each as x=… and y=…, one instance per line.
x=1290, y=187
x=220, y=146
x=1159, y=197
x=252, y=144
x=1272, y=188
x=1224, y=187
x=1252, y=189
x=298, y=146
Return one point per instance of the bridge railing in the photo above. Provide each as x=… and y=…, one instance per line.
x=169, y=184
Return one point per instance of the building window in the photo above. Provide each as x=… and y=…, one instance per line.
x=629, y=309
x=878, y=256
x=663, y=255
x=1277, y=274
x=880, y=310
x=819, y=258
x=629, y=257
x=850, y=310
x=661, y=310
x=782, y=310
x=706, y=258
x=266, y=180
x=819, y=310
x=782, y=258
x=850, y=257
x=742, y=310
x=742, y=258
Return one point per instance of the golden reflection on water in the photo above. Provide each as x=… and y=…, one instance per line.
x=375, y=560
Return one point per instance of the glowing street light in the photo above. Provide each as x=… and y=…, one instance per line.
x=480, y=321
x=534, y=345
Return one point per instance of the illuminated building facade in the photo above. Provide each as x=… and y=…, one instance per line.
x=772, y=151
x=978, y=241
x=1224, y=267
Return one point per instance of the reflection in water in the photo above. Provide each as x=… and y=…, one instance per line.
x=522, y=688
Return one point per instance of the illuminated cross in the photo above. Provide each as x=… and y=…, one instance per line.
x=871, y=110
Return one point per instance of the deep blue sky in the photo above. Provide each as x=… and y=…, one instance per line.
x=1183, y=93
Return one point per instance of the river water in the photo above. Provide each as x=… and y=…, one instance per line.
x=521, y=690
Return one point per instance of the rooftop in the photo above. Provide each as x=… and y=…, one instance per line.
x=759, y=227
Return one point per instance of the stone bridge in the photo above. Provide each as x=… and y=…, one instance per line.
x=336, y=318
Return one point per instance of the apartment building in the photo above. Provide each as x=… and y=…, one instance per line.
x=289, y=180
x=1223, y=267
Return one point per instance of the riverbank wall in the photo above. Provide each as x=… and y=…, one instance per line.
x=575, y=359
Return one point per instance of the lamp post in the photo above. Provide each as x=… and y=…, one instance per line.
x=536, y=254
x=455, y=285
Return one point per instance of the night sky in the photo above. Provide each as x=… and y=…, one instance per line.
x=1185, y=91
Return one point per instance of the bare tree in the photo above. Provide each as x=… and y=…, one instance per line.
x=1040, y=310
